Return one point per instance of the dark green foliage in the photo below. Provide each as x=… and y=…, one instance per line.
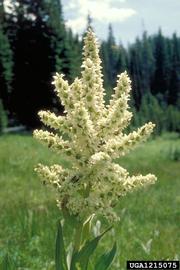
x=174, y=88
x=106, y=259
x=34, y=60
x=166, y=118
x=110, y=55
x=172, y=119
x=82, y=253
x=173, y=153
x=60, y=256
x=34, y=44
x=3, y=118
x=82, y=257
x=160, y=83
x=148, y=62
x=154, y=67
x=5, y=264
x=41, y=46
x=6, y=65
x=150, y=110
x=74, y=50
x=136, y=72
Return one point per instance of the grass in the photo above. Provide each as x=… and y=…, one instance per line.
x=149, y=226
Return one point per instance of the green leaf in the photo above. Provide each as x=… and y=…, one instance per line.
x=81, y=258
x=106, y=259
x=5, y=264
x=86, y=228
x=70, y=220
x=60, y=256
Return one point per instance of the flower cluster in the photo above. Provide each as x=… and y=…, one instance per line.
x=92, y=136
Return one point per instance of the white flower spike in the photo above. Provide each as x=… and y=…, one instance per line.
x=94, y=138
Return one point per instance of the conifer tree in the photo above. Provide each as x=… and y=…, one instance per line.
x=3, y=118
x=6, y=61
x=147, y=63
x=151, y=109
x=110, y=58
x=172, y=119
x=160, y=82
x=174, y=87
x=6, y=68
x=38, y=44
x=74, y=55
x=122, y=59
x=135, y=71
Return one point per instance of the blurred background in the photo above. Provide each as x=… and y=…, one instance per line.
x=38, y=38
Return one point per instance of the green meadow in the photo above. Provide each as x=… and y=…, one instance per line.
x=149, y=226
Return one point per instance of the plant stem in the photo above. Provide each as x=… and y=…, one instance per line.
x=77, y=237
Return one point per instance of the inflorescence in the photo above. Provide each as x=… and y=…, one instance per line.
x=91, y=139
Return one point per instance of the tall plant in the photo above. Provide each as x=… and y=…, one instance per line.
x=90, y=136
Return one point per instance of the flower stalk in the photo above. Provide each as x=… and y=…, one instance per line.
x=92, y=137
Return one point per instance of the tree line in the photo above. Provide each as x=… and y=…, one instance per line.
x=34, y=44
x=153, y=63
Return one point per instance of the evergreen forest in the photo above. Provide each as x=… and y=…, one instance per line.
x=35, y=43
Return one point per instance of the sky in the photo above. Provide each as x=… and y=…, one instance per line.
x=129, y=18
